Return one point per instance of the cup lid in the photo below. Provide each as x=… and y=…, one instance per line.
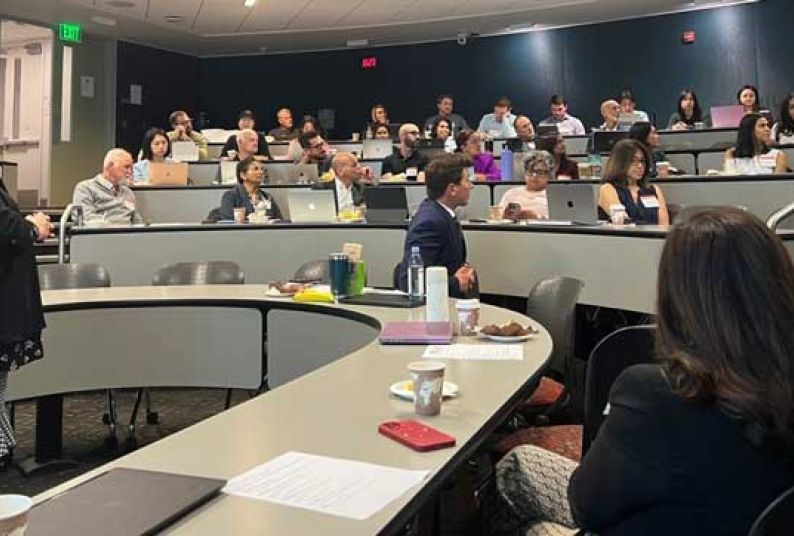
x=467, y=305
x=14, y=505
x=426, y=366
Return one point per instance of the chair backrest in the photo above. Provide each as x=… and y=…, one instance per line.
x=617, y=351
x=316, y=270
x=395, y=275
x=200, y=273
x=68, y=276
x=552, y=303
x=777, y=519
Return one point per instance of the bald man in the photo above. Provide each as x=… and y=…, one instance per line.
x=348, y=183
x=286, y=128
x=610, y=111
x=107, y=195
x=406, y=163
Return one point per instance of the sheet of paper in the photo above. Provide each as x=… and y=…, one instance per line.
x=329, y=485
x=476, y=352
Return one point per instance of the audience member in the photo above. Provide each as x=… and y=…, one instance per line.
x=248, y=192
x=532, y=197
x=348, y=182
x=783, y=131
x=752, y=154
x=314, y=151
x=436, y=230
x=625, y=182
x=701, y=442
x=107, y=195
x=378, y=115
x=406, y=162
x=525, y=130
x=246, y=120
x=285, y=130
x=445, y=105
x=610, y=111
x=564, y=168
x=747, y=96
x=646, y=134
x=382, y=132
x=485, y=168
x=182, y=126
x=247, y=145
x=628, y=106
x=567, y=125
x=498, y=124
x=156, y=147
x=688, y=114
x=441, y=129
x=308, y=124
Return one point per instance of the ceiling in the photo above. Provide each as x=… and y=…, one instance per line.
x=227, y=27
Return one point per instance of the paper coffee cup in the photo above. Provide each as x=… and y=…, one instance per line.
x=495, y=212
x=428, y=382
x=617, y=214
x=14, y=514
x=468, y=312
x=239, y=215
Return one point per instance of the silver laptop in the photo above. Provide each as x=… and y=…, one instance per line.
x=375, y=168
x=573, y=202
x=377, y=149
x=311, y=206
x=305, y=174
x=278, y=149
x=289, y=173
x=184, y=151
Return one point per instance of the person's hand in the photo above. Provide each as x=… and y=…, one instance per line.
x=466, y=277
x=42, y=223
x=181, y=133
x=481, y=176
x=527, y=214
x=679, y=126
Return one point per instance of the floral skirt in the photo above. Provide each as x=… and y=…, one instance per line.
x=16, y=354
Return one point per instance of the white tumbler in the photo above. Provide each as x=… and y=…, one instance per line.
x=437, y=300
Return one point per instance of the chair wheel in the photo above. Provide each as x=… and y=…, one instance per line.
x=152, y=417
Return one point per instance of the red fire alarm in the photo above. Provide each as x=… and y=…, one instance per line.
x=688, y=37
x=370, y=62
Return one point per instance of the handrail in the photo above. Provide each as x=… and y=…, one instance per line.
x=781, y=214
x=65, y=217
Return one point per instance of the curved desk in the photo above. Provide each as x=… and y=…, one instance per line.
x=332, y=411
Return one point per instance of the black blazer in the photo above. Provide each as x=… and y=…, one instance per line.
x=21, y=315
x=231, y=145
x=441, y=241
x=238, y=197
x=357, y=191
x=661, y=465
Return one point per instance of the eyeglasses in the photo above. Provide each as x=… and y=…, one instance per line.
x=317, y=146
x=534, y=173
x=412, y=132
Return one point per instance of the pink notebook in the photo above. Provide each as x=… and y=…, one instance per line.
x=416, y=333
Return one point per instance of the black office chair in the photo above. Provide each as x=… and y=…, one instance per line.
x=185, y=273
x=777, y=519
x=74, y=276
x=616, y=352
x=315, y=271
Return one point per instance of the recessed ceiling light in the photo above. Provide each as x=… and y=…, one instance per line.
x=125, y=4
x=249, y=3
x=174, y=18
x=104, y=21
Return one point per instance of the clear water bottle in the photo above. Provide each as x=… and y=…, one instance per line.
x=416, y=276
x=507, y=163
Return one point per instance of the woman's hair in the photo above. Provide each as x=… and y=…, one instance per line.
x=148, y=138
x=620, y=160
x=548, y=143
x=640, y=132
x=376, y=126
x=757, y=105
x=376, y=107
x=313, y=122
x=462, y=138
x=697, y=113
x=243, y=166
x=725, y=304
x=745, y=137
x=434, y=127
x=534, y=158
x=786, y=121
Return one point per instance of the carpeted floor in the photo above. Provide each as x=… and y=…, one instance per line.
x=84, y=434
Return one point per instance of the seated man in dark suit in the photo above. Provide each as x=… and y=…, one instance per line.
x=348, y=182
x=436, y=230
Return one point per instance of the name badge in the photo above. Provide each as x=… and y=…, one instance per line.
x=649, y=201
x=768, y=161
x=563, y=177
x=411, y=172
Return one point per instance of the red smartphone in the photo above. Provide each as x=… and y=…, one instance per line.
x=416, y=435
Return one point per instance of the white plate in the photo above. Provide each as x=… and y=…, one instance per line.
x=273, y=292
x=505, y=338
x=404, y=390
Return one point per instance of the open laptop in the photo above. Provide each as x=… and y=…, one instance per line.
x=573, y=202
x=168, y=173
x=386, y=204
x=377, y=149
x=305, y=174
x=605, y=140
x=278, y=150
x=228, y=172
x=289, y=173
x=547, y=130
x=184, y=151
x=311, y=206
x=726, y=116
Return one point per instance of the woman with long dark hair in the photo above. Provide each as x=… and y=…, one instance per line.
x=441, y=129
x=156, y=147
x=688, y=112
x=564, y=167
x=703, y=441
x=752, y=154
x=646, y=134
x=783, y=130
x=747, y=97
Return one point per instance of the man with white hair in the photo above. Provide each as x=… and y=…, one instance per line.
x=248, y=145
x=610, y=111
x=107, y=195
x=406, y=163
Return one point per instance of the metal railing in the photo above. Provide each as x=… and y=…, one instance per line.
x=69, y=212
x=779, y=215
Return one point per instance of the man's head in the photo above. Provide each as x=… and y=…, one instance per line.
x=284, y=118
x=610, y=111
x=448, y=179
x=409, y=135
x=524, y=129
x=180, y=120
x=117, y=166
x=246, y=120
x=247, y=142
x=627, y=102
x=559, y=108
x=445, y=104
x=346, y=168
x=313, y=145
x=500, y=108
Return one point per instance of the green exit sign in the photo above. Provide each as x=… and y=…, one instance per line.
x=70, y=32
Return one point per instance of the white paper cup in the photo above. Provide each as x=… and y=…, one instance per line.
x=14, y=514
x=468, y=316
x=617, y=214
x=239, y=215
x=428, y=381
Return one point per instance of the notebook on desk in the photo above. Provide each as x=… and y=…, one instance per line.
x=122, y=502
x=416, y=333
